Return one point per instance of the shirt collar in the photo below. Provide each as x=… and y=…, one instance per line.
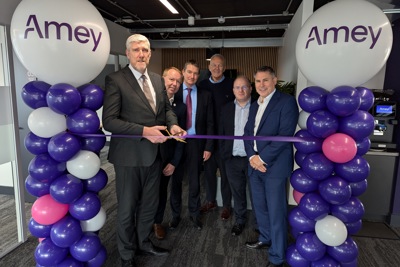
x=220, y=80
x=267, y=99
x=137, y=74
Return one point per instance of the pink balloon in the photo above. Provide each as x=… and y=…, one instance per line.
x=339, y=148
x=46, y=211
x=297, y=196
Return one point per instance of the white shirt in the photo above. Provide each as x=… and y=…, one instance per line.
x=139, y=79
x=260, y=112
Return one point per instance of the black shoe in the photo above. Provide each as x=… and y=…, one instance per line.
x=257, y=245
x=196, y=222
x=153, y=250
x=270, y=264
x=174, y=223
x=128, y=263
x=237, y=229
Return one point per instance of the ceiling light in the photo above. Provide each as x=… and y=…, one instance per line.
x=169, y=6
x=127, y=19
x=190, y=20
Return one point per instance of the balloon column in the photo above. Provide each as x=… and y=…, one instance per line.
x=337, y=54
x=65, y=50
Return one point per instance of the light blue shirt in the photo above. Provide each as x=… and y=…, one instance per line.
x=193, y=94
x=220, y=80
x=241, y=116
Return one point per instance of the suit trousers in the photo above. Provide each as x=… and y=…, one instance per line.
x=193, y=158
x=210, y=175
x=270, y=204
x=137, y=190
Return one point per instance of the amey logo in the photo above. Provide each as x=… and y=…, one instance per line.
x=357, y=34
x=81, y=34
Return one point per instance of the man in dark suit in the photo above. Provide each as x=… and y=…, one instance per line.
x=171, y=150
x=135, y=104
x=221, y=91
x=233, y=118
x=200, y=121
x=270, y=162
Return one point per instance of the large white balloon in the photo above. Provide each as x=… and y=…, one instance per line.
x=338, y=46
x=302, y=121
x=331, y=231
x=60, y=41
x=46, y=123
x=84, y=165
x=96, y=223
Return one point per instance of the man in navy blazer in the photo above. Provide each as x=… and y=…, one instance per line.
x=270, y=162
x=135, y=104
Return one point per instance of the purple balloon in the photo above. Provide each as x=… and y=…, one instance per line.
x=299, y=157
x=363, y=146
x=353, y=227
x=71, y=262
x=350, y=211
x=344, y=253
x=35, y=144
x=303, y=183
x=63, y=146
x=85, y=207
x=310, y=247
x=294, y=258
x=48, y=254
x=335, y=190
x=317, y=166
x=35, y=187
x=314, y=206
x=367, y=98
x=66, y=232
x=86, y=248
x=322, y=123
x=97, y=182
x=301, y=222
x=39, y=230
x=326, y=261
x=359, y=188
x=359, y=125
x=34, y=94
x=94, y=143
x=83, y=121
x=310, y=144
x=66, y=189
x=312, y=98
x=355, y=170
x=92, y=96
x=63, y=98
x=45, y=169
x=343, y=100
x=99, y=259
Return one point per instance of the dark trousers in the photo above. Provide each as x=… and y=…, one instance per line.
x=137, y=197
x=210, y=174
x=192, y=163
x=162, y=199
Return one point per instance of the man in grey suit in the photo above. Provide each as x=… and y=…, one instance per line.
x=135, y=104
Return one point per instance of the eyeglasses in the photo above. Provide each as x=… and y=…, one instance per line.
x=244, y=88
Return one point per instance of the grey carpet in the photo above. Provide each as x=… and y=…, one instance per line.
x=212, y=246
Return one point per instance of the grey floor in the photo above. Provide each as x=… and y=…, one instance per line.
x=378, y=244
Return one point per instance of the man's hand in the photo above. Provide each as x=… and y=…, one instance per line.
x=206, y=155
x=154, y=134
x=169, y=169
x=257, y=164
x=177, y=131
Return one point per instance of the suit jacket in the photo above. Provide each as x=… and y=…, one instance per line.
x=279, y=119
x=172, y=150
x=126, y=111
x=204, y=116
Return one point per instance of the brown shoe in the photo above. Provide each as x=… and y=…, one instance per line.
x=159, y=231
x=208, y=207
x=225, y=214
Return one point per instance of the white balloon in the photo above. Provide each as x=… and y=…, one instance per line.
x=331, y=231
x=60, y=41
x=96, y=223
x=302, y=121
x=84, y=165
x=46, y=123
x=337, y=46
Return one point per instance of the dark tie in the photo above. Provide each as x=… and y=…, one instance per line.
x=147, y=93
x=188, y=108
